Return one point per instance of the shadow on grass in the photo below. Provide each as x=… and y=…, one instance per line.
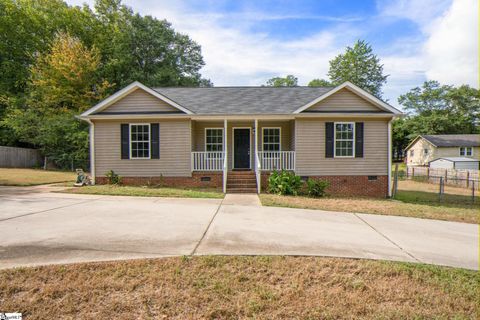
x=430, y=198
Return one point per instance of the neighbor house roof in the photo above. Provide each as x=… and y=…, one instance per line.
x=449, y=140
x=243, y=100
x=453, y=140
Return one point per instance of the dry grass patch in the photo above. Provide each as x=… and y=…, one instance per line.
x=145, y=191
x=241, y=287
x=468, y=213
x=31, y=177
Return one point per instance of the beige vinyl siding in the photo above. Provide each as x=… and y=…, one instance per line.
x=175, y=147
x=140, y=101
x=344, y=100
x=285, y=134
x=310, y=150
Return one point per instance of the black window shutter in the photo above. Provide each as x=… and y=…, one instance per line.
x=329, y=132
x=358, y=139
x=125, y=137
x=155, y=140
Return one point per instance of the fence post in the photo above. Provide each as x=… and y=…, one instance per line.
x=428, y=173
x=446, y=175
x=395, y=181
x=440, y=191
x=468, y=178
x=473, y=191
x=413, y=172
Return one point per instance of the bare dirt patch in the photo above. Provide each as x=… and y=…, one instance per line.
x=240, y=287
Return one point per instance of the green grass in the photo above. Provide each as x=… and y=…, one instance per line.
x=32, y=177
x=114, y=190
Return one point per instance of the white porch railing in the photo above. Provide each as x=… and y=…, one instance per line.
x=207, y=161
x=277, y=160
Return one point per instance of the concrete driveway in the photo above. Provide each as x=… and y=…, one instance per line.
x=43, y=228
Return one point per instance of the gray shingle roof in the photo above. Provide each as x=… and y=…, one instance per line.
x=454, y=140
x=243, y=100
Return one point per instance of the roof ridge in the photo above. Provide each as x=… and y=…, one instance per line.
x=255, y=87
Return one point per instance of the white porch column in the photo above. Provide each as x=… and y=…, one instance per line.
x=389, y=166
x=257, y=171
x=225, y=154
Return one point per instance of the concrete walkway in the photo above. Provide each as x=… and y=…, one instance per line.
x=43, y=228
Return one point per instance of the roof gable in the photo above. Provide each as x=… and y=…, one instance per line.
x=136, y=98
x=344, y=100
x=355, y=90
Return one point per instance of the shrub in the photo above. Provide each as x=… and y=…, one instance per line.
x=113, y=178
x=317, y=188
x=284, y=183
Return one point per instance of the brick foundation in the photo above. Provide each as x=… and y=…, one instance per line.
x=349, y=185
x=216, y=180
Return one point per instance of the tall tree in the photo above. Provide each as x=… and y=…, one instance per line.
x=288, y=81
x=320, y=83
x=437, y=109
x=63, y=84
x=360, y=66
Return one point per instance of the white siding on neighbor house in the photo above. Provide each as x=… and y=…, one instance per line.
x=344, y=100
x=420, y=158
x=310, y=149
x=175, y=148
x=140, y=101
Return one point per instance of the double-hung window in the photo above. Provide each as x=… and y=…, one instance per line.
x=271, y=140
x=214, y=142
x=140, y=141
x=344, y=139
x=466, y=151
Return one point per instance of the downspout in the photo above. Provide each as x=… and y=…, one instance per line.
x=389, y=166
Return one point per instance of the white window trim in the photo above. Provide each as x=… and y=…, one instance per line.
x=149, y=140
x=465, y=149
x=335, y=140
x=223, y=139
x=279, y=140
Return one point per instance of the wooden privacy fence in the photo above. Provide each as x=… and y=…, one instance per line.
x=456, y=177
x=13, y=157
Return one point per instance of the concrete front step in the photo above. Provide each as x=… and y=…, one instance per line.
x=241, y=190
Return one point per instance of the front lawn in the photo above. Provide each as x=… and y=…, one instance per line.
x=241, y=287
x=114, y=190
x=414, y=199
x=31, y=177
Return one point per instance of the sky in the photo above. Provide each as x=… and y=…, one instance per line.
x=246, y=42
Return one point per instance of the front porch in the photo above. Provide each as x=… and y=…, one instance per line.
x=252, y=146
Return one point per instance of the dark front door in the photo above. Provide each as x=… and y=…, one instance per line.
x=241, y=148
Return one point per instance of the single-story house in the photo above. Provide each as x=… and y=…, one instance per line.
x=233, y=137
x=455, y=163
x=426, y=148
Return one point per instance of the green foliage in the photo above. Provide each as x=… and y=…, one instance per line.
x=437, y=109
x=113, y=178
x=284, y=183
x=317, y=188
x=360, y=66
x=58, y=60
x=320, y=83
x=288, y=81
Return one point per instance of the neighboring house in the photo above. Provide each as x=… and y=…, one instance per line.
x=426, y=148
x=233, y=137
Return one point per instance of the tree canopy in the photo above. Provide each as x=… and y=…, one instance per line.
x=320, y=83
x=437, y=109
x=57, y=60
x=288, y=81
x=360, y=66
